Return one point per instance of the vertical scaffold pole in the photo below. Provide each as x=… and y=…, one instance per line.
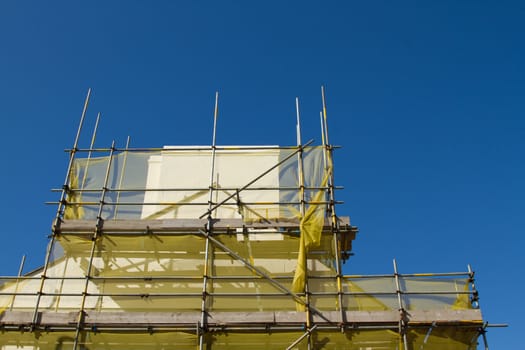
x=302, y=208
x=90, y=152
x=474, y=302
x=59, y=212
x=474, y=299
x=402, y=312
x=122, y=172
x=323, y=142
x=20, y=270
x=96, y=235
x=483, y=332
x=329, y=166
x=209, y=230
x=81, y=188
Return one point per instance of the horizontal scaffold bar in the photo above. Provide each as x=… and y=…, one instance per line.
x=180, y=204
x=192, y=149
x=196, y=189
x=154, y=226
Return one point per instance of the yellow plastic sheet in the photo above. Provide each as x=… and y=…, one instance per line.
x=427, y=339
x=74, y=211
x=141, y=185
x=311, y=227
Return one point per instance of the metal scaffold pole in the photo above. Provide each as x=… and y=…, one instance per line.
x=121, y=180
x=97, y=234
x=20, y=269
x=209, y=231
x=90, y=153
x=60, y=211
x=402, y=311
x=329, y=166
x=302, y=208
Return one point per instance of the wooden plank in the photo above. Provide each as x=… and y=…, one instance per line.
x=372, y=316
x=14, y=318
x=141, y=319
x=445, y=316
x=220, y=318
x=72, y=226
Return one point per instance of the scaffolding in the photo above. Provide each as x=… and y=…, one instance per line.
x=219, y=247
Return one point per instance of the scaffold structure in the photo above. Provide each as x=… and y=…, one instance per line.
x=220, y=247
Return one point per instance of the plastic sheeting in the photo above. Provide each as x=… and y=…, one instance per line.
x=437, y=339
x=175, y=184
x=166, y=273
x=311, y=228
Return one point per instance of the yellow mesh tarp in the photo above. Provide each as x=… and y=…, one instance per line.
x=74, y=211
x=427, y=339
x=165, y=273
x=175, y=184
x=311, y=228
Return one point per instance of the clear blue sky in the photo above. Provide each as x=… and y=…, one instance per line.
x=426, y=98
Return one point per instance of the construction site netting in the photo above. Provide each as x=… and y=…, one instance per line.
x=165, y=274
x=148, y=273
x=175, y=183
x=441, y=338
x=194, y=270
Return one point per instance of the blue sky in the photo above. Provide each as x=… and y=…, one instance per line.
x=426, y=99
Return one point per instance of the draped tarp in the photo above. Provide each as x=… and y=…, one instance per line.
x=311, y=227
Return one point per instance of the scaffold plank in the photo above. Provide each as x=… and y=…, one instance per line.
x=71, y=226
x=141, y=319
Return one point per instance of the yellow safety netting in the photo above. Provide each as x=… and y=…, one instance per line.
x=175, y=184
x=311, y=228
x=424, y=338
x=74, y=211
x=166, y=273
x=141, y=273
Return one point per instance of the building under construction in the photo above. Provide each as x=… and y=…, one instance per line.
x=220, y=247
